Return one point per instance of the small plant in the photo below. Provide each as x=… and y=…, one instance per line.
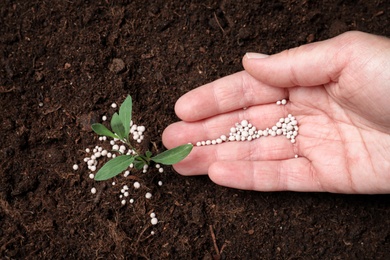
x=120, y=125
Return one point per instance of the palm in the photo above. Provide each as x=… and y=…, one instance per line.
x=342, y=152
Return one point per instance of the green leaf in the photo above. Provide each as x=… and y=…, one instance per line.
x=102, y=130
x=148, y=154
x=117, y=126
x=174, y=155
x=114, y=167
x=139, y=163
x=125, y=115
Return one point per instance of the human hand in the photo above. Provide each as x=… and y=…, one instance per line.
x=338, y=90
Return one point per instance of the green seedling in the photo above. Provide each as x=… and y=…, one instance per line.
x=120, y=125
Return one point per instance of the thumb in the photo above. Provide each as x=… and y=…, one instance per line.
x=308, y=65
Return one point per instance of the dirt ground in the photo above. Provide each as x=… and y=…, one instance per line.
x=62, y=65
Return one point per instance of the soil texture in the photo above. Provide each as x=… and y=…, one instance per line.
x=62, y=64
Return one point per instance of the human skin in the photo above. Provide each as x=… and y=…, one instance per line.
x=338, y=90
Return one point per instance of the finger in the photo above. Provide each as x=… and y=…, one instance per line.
x=227, y=94
x=291, y=174
x=262, y=117
x=308, y=65
x=264, y=148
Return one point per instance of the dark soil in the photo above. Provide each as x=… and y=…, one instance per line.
x=62, y=65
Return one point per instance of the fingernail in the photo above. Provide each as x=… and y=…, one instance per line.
x=255, y=55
